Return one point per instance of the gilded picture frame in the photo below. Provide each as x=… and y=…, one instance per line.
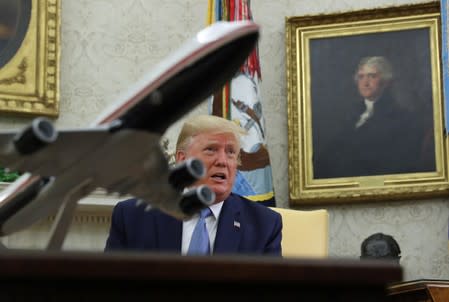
x=29, y=57
x=347, y=142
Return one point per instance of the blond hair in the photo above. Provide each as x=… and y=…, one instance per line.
x=206, y=124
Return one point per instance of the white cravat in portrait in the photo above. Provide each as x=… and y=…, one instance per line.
x=366, y=114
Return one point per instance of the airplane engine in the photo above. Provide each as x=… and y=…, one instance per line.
x=34, y=137
x=186, y=173
x=195, y=199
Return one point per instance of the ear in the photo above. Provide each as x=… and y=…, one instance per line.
x=180, y=155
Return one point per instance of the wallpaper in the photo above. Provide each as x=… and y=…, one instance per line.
x=107, y=45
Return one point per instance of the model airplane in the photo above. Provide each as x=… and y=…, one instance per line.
x=121, y=151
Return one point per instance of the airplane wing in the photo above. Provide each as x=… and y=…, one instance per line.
x=79, y=161
x=23, y=152
x=120, y=151
x=42, y=164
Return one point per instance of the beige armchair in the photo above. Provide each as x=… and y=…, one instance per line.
x=304, y=233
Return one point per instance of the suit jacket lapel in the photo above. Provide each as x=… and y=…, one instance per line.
x=169, y=233
x=228, y=235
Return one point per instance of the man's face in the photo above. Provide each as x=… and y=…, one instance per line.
x=219, y=153
x=369, y=82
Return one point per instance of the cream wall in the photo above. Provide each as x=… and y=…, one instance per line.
x=107, y=45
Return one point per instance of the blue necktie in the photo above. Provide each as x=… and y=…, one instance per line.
x=199, y=245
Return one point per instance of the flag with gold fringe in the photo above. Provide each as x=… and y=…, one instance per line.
x=240, y=101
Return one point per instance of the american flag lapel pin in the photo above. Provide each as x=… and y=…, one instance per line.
x=236, y=224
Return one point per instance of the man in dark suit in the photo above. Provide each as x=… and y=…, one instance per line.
x=236, y=225
x=379, y=136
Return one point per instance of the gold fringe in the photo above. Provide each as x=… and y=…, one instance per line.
x=261, y=197
x=210, y=12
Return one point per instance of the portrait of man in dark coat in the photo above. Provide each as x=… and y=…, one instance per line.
x=377, y=136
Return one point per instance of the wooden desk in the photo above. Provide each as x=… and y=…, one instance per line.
x=68, y=276
x=420, y=291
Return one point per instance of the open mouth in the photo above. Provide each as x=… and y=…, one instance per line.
x=219, y=176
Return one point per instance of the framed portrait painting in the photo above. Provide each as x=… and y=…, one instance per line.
x=29, y=57
x=365, y=108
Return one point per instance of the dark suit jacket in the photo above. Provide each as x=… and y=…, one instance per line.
x=259, y=232
x=389, y=142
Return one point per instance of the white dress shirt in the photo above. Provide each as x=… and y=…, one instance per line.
x=367, y=114
x=211, y=224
